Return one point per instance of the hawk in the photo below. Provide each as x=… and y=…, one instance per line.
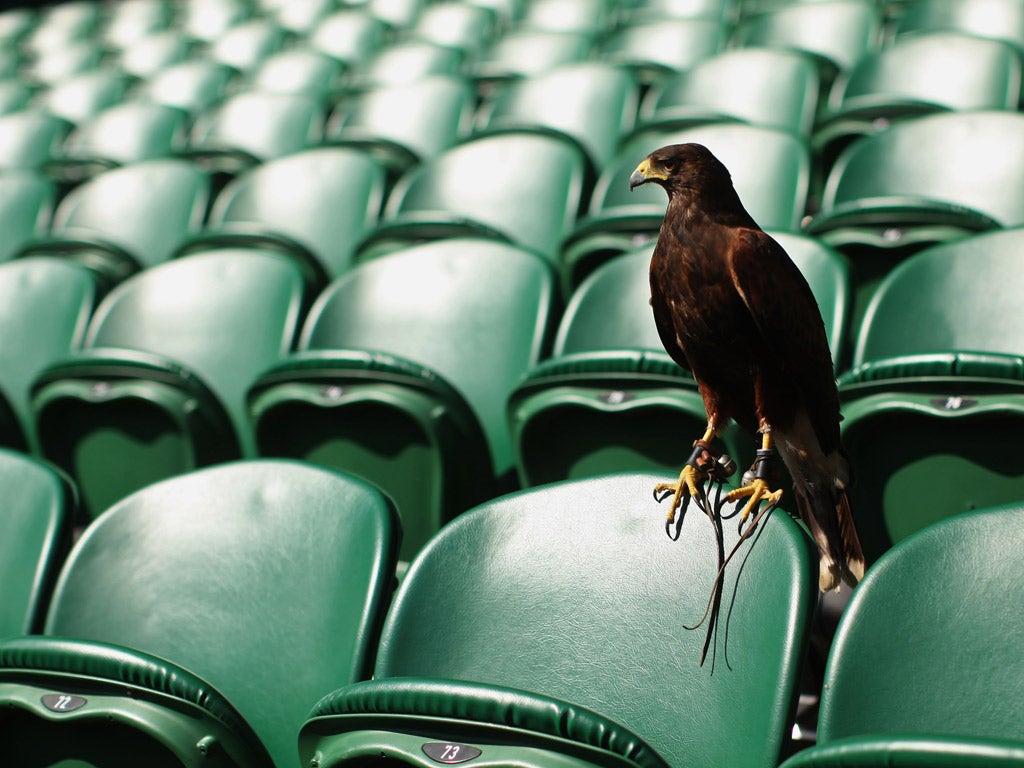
x=731, y=307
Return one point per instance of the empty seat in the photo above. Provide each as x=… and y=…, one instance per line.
x=298, y=71
x=245, y=46
x=926, y=665
x=38, y=515
x=314, y=206
x=63, y=62
x=610, y=398
x=30, y=137
x=522, y=53
x=934, y=403
x=83, y=96
x=770, y=168
x=127, y=219
x=763, y=86
x=129, y=22
x=402, y=125
x=26, y=205
x=403, y=371
x=152, y=54
x=45, y=306
x=407, y=62
x=653, y=49
x=591, y=104
x=587, y=16
x=15, y=95
x=348, y=35
x=467, y=27
x=210, y=21
x=521, y=188
x=197, y=620
x=159, y=385
x=523, y=635
x=194, y=86
x=918, y=75
x=998, y=19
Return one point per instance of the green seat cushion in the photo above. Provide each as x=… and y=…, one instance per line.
x=920, y=370
x=910, y=751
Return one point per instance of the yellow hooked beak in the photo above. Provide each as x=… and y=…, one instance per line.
x=644, y=173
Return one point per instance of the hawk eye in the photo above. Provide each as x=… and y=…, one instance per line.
x=669, y=165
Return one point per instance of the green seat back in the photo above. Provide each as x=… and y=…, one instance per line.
x=999, y=19
x=512, y=201
x=160, y=386
x=593, y=104
x=45, y=306
x=408, y=61
x=57, y=63
x=26, y=205
x=525, y=52
x=926, y=664
x=464, y=26
x=29, y=138
x=267, y=580
x=777, y=88
x=652, y=49
x=38, y=513
x=128, y=133
x=348, y=35
x=85, y=95
x=587, y=16
x=152, y=53
x=14, y=95
x=194, y=85
x=298, y=71
x=573, y=592
x=320, y=201
x=246, y=45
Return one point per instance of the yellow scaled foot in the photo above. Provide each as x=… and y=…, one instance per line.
x=756, y=492
x=689, y=484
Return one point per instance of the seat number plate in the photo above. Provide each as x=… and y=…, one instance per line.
x=63, y=702
x=450, y=754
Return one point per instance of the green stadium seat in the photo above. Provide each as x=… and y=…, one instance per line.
x=196, y=620
x=15, y=95
x=62, y=23
x=127, y=23
x=313, y=206
x=30, y=137
x=610, y=399
x=397, y=14
x=350, y=36
x=763, y=86
x=654, y=49
x=45, y=306
x=402, y=374
x=38, y=514
x=246, y=45
x=837, y=33
x=210, y=21
x=159, y=386
x=300, y=17
x=63, y=62
x=998, y=19
x=152, y=54
x=926, y=665
x=26, y=205
x=524, y=53
x=84, y=96
x=771, y=170
x=17, y=23
x=521, y=188
x=653, y=10
x=403, y=125
x=548, y=628
x=298, y=71
x=919, y=74
x=407, y=62
x=467, y=27
x=934, y=403
x=592, y=17
x=591, y=104
x=120, y=135
x=195, y=86
x=128, y=218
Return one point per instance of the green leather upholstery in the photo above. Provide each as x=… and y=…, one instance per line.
x=521, y=188
x=37, y=518
x=128, y=218
x=610, y=398
x=419, y=341
x=204, y=614
x=934, y=402
x=564, y=608
x=45, y=306
x=314, y=206
x=926, y=664
x=159, y=387
x=771, y=170
x=777, y=88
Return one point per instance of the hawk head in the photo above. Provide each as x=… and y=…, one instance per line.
x=680, y=166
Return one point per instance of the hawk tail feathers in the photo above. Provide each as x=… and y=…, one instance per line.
x=825, y=508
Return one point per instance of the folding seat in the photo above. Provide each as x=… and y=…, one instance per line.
x=402, y=374
x=918, y=182
x=998, y=19
x=934, y=403
x=651, y=10
x=210, y=20
x=159, y=385
x=762, y=86
x=120, y=135
x=30, y=137
x=397, y=14
x=83, y=96
x=610, y=399
x=919, y=74
x=837, y=33
x=926, y=666
x=195, y=86
x=298, y=71
x=129, y=22
x=549, y=627
x=467, y=27
x=523, y=53
x=251, y=127
x=152, y=54
x=770, y=168
x=195, y=622
x=128, y=218
x=520, y=188
x=591, y=104
x=46, y=305
x=55, y=65
x=246, y=45
x=653, y=49
x=403, y=125
x=407, y=62
x=26, y=205
x=38, y=515
x=300, y=17
x=313, y=206
x=63, y=23
x=587, y=16
x=350, y=36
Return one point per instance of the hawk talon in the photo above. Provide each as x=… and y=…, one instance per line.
x=755, y=492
